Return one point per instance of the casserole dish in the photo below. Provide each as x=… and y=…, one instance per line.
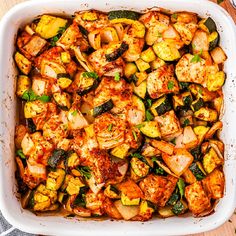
x=25, y=220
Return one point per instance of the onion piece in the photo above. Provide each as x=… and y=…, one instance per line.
x=109, y=34
x=81, y=59
x=166, y=169
x=94, y=38
x=120, y=30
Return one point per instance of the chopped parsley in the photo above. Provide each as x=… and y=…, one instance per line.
x=149, y=102
x=175, y=16
x=170, y=84
x=74, y=113
x=93, y=75
x=29, y=95
x=20, y=153
x=54, y=39
x=220, y=1
x=85, y=171
x=149, y=115
x=186, y=122
x=117, y=77
x=196, y=58
x=181, y=187
x=135, y=135
x=110, y=127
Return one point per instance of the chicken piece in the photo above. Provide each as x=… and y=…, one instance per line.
x=156, y=23
x=186, y=31
x=158, y=189
x=30, y=45
x=214, y=184
x=109, y=138
x=162, y=81
x=179, y=162
x=188, y=70
x=72, y=36
x=169, y=125
x=94, y=202
x=198, y=201
x=101, y=165
x=120, y=92
x=110, y=209
x=130, y=189
x=104, y=67
x=54, y=129
x=91, y=20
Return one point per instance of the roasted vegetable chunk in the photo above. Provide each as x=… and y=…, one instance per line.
x=158, y=189
x=162, y=81
x=197, y=198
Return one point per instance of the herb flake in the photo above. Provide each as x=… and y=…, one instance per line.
x=20, y=153
x=196, y=58
x=117, y=77
x=93, y=75
x=85, y=171
x=170, y=84
x=109, y=127
x=149, y=115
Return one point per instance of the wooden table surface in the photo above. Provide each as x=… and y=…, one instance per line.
x=229, y=228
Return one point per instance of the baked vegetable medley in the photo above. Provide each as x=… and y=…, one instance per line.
x=120, y=114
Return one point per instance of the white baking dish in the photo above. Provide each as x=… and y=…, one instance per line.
x=27, y=221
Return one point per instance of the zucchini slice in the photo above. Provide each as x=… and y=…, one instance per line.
x=138, y=103
x=55, y=179
x=123, y=14
x=167, y=51
x=64, y=80
x=112, y=192
x=197, y=170
x=86, y=82
x=213, y=40
x=130, y=69
x=107, y=106
x=210, y=24
x=117, y=53
x=140, y=168
x=197, y=104
x=140, y=90
x=182, y=100
x=63, y=100
x=215, y=81
x=161, y=106
x=206, y=114
x=150, y=129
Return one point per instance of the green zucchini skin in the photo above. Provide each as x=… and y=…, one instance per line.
x=123, y=14
x=164, y=106
x=107, y=106
x=210, y=24
x=215, y=41
x=89, y=89
x=57, y=155
x=118, y=52
x=196, y=105
x=196, y=171
x=63, y=75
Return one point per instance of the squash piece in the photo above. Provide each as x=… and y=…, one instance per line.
x=23, y=84
x=148, y=55
x=150, y=129
x=23, y=63
x=179, y=162
x=121, y=151
x=211, y=160
x=215, y=81
x=206, y=114
x=49, y=26
x=201, y=132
